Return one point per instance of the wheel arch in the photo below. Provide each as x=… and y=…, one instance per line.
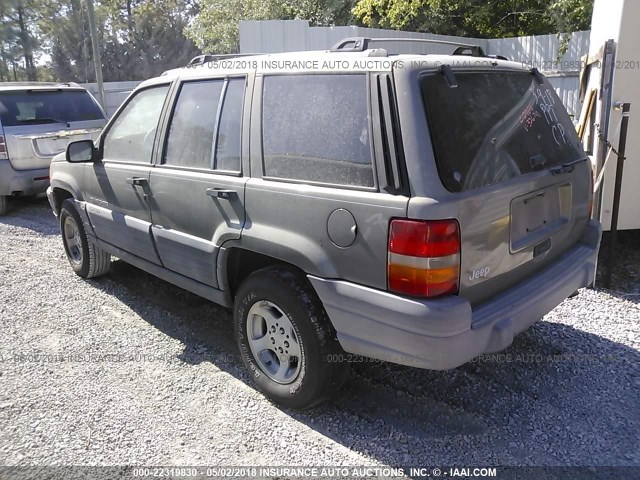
x=59, y=195
x=239, y=263
x=64, y=185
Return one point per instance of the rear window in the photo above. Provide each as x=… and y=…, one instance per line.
x=496, y=126
x=38, y=107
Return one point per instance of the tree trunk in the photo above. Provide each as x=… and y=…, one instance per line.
x=5, y=67
x=25, y=40
x=129, y=16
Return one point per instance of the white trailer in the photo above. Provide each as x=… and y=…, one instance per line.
x=616, y=20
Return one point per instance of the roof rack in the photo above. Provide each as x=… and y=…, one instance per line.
x=68, y=84
x=360, y=44
x=36, y=86
x=202, y=59
x=29, y=84
x=471, y=50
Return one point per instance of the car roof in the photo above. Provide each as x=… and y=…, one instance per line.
x=23, y=86
x=328, y=61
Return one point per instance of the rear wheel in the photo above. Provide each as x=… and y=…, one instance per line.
x=286, y=340
x=4, y=205
x=86, y=259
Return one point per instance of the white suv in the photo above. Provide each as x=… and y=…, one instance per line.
x=37, y=121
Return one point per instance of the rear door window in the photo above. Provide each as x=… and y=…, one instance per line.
x=228, y=144
x=316, y=128
x=192, y=129
x=205, y=132
x=37, y=107
x=496, y=126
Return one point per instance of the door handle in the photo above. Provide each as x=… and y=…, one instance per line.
x=222, y=193
x=137, y=181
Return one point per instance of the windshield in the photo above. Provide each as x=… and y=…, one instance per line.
x=495, y=126
x=42, y=107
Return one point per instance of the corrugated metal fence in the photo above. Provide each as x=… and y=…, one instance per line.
x=114, y=93
x=273, y=36
x=541, y=51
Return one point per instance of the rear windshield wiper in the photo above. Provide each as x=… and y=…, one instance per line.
x=45, y=119
x=567, y=167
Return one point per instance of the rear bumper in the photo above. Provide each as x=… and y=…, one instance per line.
x=24, y=182
x=446, y=333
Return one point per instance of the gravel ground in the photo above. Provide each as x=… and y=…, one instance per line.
x=152, y=377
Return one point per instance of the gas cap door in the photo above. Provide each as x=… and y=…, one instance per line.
x=342, y=228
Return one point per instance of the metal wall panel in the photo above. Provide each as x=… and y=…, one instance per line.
x=275, y=36
x=114, y=93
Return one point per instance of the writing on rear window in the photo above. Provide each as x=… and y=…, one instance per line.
x=496, y=126
x=546, y=101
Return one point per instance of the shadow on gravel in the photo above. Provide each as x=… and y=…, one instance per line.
x=540, y=402
x=33, y=213
x=625, y=274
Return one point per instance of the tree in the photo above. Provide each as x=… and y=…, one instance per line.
x=19, y=39
x=322, y=12
x=477, y=18
x=7, y=47
x=571, y=15
x=216, y=28
x=149, y=39
x=138, y=38
x=26, y=40
x=65, y=32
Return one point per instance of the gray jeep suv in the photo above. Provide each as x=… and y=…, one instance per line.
x=416, y=209
x=37, y=121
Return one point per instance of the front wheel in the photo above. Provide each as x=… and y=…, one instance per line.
x=86, y=259
x=286, y=340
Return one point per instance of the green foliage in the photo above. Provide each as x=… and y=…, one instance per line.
x=216, y=30
x=477, y=18
x=570, y=15
x=19, y=40
x=138, y=39
x=142, y=38
x=322, y=12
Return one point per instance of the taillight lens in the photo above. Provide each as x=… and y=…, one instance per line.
x=4, y=155
x=424, y=257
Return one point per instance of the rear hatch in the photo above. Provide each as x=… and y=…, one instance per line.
x=39, y=123
x=519, y=182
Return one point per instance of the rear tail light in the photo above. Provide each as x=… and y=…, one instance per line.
x=424, y=257
x=4, y=155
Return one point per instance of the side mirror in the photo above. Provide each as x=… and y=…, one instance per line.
x=81, y=151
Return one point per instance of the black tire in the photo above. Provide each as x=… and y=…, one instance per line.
x=4, y=205
x=322, y=368
x=86, y=259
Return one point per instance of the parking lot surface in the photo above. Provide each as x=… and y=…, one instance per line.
x=128, y=369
